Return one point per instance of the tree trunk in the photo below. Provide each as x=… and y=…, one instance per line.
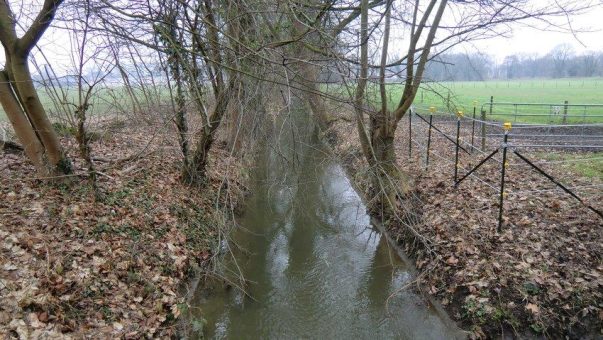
x=23, y=129
x=196, y=171
x=136, y=107
x=389, y=181
x=308, y=78
x=21, y=101
x=309, y=81
x=234, y=120
x=386, y=174
x=30, y=101
x=84, y=142
x=181, y=123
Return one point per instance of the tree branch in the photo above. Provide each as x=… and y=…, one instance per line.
x=40, y=24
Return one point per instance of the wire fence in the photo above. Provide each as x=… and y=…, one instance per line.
x=499, y=147
x=525, y=84
x=564, y=112
x=543, y=113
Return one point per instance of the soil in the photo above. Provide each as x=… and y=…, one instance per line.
x=541, y=275
x=74, y=267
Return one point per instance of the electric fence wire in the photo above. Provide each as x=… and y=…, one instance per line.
x=518, y=164
x=596, y=137
x=566, y=161
x=559, y=146
x=577, y=137
x=573, y=188
x=463, y=141
x=527, y=166
x=451, y=161
x=517, y=125
x=510, y=192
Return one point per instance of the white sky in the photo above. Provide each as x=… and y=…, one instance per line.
x=523, y=39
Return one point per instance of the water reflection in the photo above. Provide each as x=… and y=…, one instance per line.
x=315, y=267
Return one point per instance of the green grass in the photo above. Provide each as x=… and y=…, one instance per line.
x=461, y=94
x=104, y=100
x=549, y=91
x=453, y=96
x=575, y=90
x=590, y=166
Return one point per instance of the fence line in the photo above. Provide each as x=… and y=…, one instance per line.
x=578, y=187
x=461, y=137
x=450, y=161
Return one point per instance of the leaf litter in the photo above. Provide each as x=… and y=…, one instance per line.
x=542, y=275
x=71, y=267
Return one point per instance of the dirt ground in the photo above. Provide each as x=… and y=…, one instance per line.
x=542, y=275
x=71, y=267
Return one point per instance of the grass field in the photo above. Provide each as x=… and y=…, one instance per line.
x=105, y=100
x=551, y=91
x=576, y=91
x=460, y=95
x=589, y=168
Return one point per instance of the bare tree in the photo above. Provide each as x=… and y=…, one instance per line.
x=588, y=64
x=429, y=34
x=168, y=33
x=19, y=97
x=378, y=138
x=207, y=53
x=102, y=67
x=560, y=55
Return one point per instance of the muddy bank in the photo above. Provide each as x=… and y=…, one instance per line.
x=71, y=267
x=541, y=276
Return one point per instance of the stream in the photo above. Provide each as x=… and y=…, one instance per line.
x=314, y=265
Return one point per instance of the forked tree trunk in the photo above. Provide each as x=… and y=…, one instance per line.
x=389, y=181
x=378, y=141
x=23, y=129
x=309, y=81
x=27, y=115
x=40, y=123
x=196, y=171
x=21, y=101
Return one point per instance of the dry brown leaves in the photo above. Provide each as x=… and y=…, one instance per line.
x=73, y=267
x=542, y=274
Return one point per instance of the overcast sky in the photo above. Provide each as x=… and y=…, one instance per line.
x=523, y=39
x=535, y=41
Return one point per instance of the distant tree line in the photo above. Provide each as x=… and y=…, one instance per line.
x=560, y=62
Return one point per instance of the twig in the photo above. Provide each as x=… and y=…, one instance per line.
x=104, y=175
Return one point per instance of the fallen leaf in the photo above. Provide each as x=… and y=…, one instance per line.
x=452, y=260
x=118, y=326
x=533, y=308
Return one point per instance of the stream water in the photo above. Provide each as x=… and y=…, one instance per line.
x=314, y=265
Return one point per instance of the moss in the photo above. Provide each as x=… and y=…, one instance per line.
x=64, y=130
x=65, y=166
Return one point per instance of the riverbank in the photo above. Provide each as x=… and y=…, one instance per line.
x=71, y=266
x=541, y=275
x=305, y=261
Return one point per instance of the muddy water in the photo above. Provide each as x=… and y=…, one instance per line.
x=315, y=268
